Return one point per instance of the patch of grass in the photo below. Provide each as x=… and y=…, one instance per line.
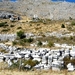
x=73, y=23
x=29, y=40
x=21, y=43
x=12, y=25
x=15, y=65
x=50, y=44
x=3, y=51
x=5, y=30
x=19, y=28
x=30, y=62
x=70, y=28
x=19, y=65
x=30, y=24
x=2, y=24
x=38, y=24
x=67, y=60
x=14, y=42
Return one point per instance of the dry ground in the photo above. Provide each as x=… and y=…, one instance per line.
x=11, y=72
x=4, y=71
x=35, y=28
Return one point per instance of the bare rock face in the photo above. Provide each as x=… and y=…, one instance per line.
x=41, y=8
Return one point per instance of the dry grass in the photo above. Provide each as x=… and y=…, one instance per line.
x=33, y=27
x=11, y=72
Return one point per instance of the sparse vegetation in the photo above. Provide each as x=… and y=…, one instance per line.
x=2, y=24
x=21, y=35
x=12, y=25
x=3, y=51
x=5, y=30
x=18, y=65
x=62, y=26
x=14, y=42
x=30, y=62
x=67, y=60
x=50, y=44
x=19, y=28
x=39, y=43
x=29, y=40
x=73, y=23
x=70, y=18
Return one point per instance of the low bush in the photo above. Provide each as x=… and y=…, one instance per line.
x=62, y=26
x=21, y=35
x=14, y=42
x=70, y=18
x=20, y=64
x=3, y=24
x=39, y=43
x=29, y=40
x=73, y=23
x=5, y=30
x=30, y=62
x=12, y=25
x=50, y=44
x=19, y=28
x=15, y=65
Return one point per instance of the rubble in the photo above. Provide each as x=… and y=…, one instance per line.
x=48, y=59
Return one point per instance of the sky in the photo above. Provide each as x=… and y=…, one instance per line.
x=56, y=0
x=65, y=0
x=59, y=0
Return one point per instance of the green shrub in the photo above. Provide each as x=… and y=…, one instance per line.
x=12, y=25
x=30, y=62
x=21, y=35
x=24, y=40
x=39, y=43
x=50, y=44
x=3, y=24
x=29, y=40
x=14, y=42
x=5, y=30
x=64, y=38
x=19, y=28
x=70, y=18
x=21, y=43
x=19, y=65
x=15, y=65
x=73, y=23
x=71, y=37
x=62, y=26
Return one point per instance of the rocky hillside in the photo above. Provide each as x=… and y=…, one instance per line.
x=41, y=8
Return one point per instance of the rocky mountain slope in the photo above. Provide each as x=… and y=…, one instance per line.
x=41, y=8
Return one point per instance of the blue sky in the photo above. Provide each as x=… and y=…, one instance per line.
x=13, y=0
x=71, y=0
x=65, y=0
x=56, y=0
